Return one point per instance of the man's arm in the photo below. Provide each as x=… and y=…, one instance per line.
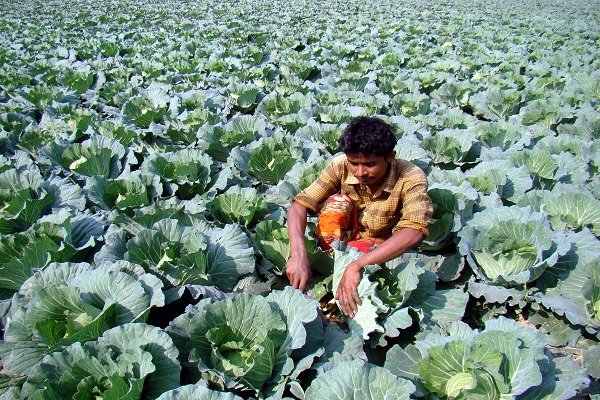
x=297, y=268
x=400, y=242
x=328, y=183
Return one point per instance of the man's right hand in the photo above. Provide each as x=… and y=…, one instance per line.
x=298, y=272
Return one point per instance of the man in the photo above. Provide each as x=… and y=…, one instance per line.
x=372, y=201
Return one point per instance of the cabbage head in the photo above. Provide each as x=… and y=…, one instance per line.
x=504, y=361
x=132, y=361
x=186, y=173
x=509, y=245
x=68, y=303
x=250, y=344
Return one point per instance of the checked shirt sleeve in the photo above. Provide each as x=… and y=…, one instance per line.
x=327, y=184
x=417, y=207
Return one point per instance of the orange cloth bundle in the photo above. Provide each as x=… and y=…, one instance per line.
x=338, y=220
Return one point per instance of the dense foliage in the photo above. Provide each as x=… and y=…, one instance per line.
x=149, y=150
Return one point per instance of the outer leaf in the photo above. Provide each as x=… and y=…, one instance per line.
x=563, y=380
x=357, y=379
x=229, y=255
x=199, y=391
x=591, y=361
x=403, y=362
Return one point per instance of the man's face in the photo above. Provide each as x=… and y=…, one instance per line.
x=370, y=170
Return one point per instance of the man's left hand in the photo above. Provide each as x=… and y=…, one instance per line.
x=347, y=292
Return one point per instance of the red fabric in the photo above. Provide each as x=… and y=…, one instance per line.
x=363, y=245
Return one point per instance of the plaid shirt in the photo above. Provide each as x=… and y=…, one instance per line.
x=401, y=201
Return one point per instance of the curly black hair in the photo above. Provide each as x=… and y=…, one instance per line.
x=368, y=136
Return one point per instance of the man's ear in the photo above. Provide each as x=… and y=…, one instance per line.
x=391, y=156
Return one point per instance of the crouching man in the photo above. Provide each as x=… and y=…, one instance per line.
x=366, y=198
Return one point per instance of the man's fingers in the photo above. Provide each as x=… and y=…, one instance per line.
x=348, y=304
x=294, y=281
x=303, y=284
x=352, y=306
x=299, y=281
x=356, y=297
x=341, y=301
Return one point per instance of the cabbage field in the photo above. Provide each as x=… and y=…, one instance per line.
x=149, y=151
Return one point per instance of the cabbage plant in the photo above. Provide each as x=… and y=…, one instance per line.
x=453, y=93
x=389, y=294
x=510, y=245
x=186, y=172
x=451, y=147
x=146, y=108
x=238, y=131
x=505, y=360
x=134, y=361
x=568, y=207
x=452, y=206
x=272, y=242
x=411, y=104
x=497, y=104
x=250, y=344
x=97, y=156
x=78, y=79
x=287, y=112
x=181, y=254
x=505, y=135
x=244, y=97
x=572, y=288
x=73, y=303
x=116, y=130
x=242, y=206
x=298, y=178
x=501, y=177
x=542, y=167
x=58, y=237
x=357, y=379
x=198, y=391
x=25, y=196
x=267, y=159
x=325, y=133
x=133, y=221
x=130, y=190
x=335, y=114
x=448, y=118
x=547, y=112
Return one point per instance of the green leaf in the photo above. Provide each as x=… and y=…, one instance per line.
x=449, y=370
x=230, y=255
x=238, y=205
x=270, y=163
x=357, y=379
x=271, y=239
x=145, y=109
x=20, y=255
x=199, y=391
x=91, y=331
x=591, y=361
x=403, y=362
